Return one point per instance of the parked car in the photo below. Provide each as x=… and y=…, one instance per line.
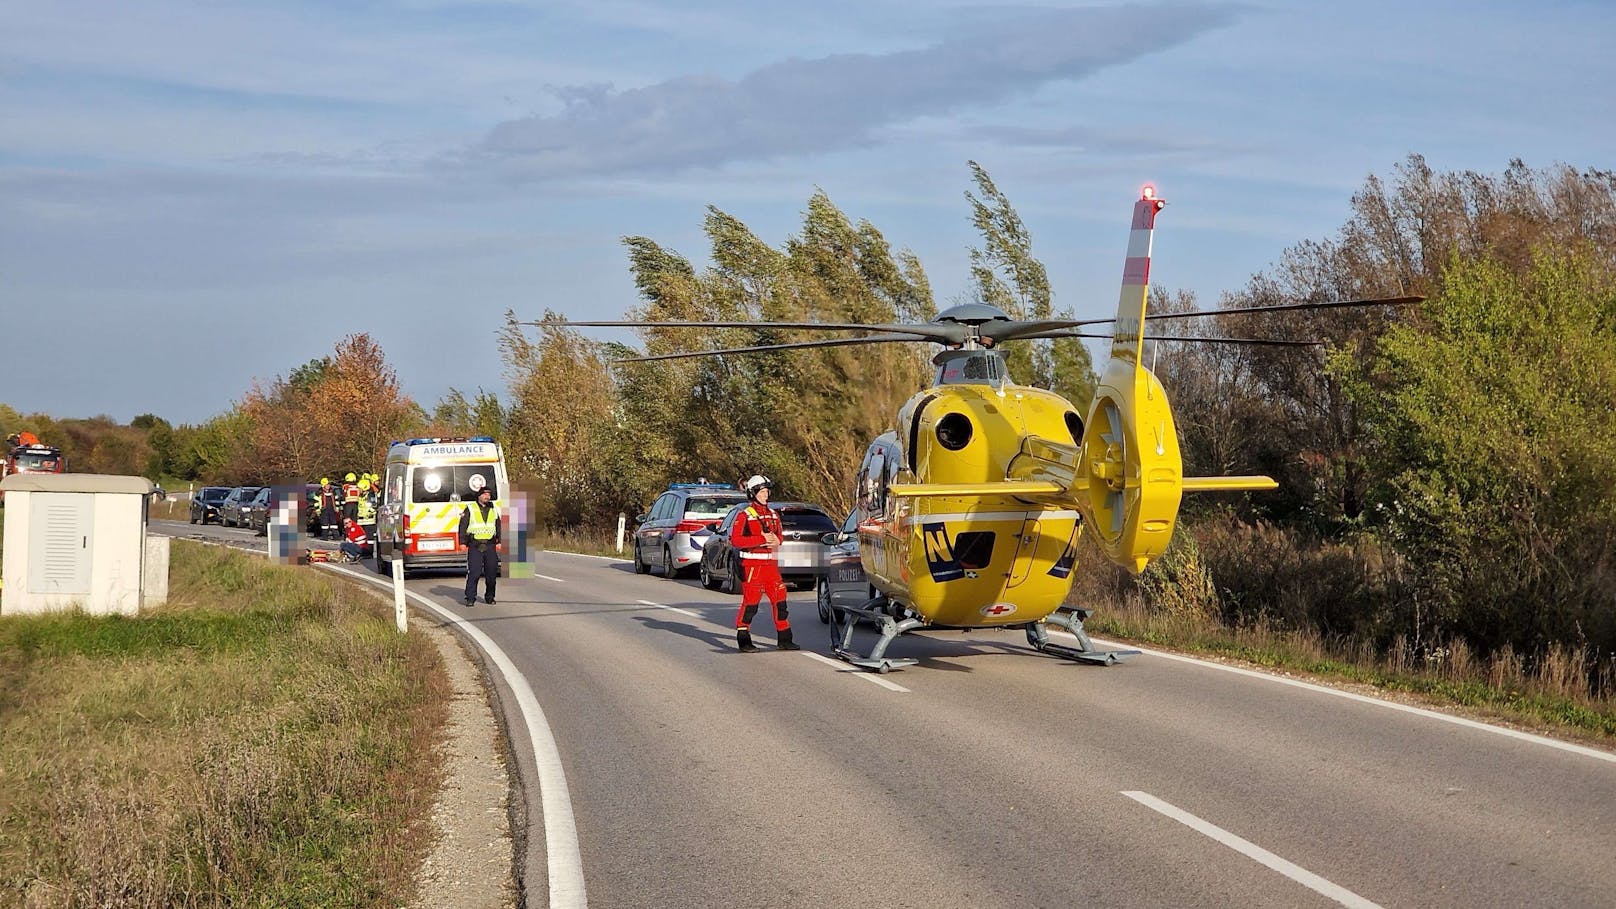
x=663, y=537
x=205, y=504
x=257, y=511
x=842, y=581
x=804, y=528
x=233, y=510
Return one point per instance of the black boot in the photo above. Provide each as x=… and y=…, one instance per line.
x=785, y=641
x=744, y=639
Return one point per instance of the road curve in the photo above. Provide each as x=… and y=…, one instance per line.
x=992, y=776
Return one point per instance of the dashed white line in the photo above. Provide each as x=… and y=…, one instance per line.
x=548, y=578
x=868, y=677
x=1255, y=852
x=672, y=609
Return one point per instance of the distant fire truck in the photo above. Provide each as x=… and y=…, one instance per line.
x=26, y=454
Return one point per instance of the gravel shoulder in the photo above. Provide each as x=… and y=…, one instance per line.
x=469, y=866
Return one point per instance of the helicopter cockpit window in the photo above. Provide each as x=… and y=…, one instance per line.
x=976, y=367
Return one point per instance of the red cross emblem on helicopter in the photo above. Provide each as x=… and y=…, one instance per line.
x=998, y=609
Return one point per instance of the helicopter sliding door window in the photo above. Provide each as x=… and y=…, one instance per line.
x=974, y=549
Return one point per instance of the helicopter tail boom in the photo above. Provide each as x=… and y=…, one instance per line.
x=1022, y=488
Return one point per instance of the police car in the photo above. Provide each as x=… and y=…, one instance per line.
x=663, y=539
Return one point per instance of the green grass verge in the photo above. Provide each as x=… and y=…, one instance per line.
x=265, y=739
x=1482, y=687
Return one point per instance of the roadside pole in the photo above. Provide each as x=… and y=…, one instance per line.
x=398, y=595
x=621, y=520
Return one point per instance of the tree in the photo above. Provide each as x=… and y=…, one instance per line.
x=1494, y=429
x=1011, y=278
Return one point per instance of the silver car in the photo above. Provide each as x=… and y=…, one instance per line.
x=663, y=539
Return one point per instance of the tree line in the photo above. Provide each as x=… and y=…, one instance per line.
x=1446, y=469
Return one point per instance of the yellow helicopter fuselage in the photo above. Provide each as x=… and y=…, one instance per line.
x=969, y=560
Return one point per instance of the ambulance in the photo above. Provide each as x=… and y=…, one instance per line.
x=426, y=485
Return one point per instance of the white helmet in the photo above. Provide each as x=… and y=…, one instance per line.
x=758, y=481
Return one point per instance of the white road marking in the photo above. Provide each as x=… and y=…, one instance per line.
x=585, y=555
x=674, y=609
x=1255, y=852
x=839, y=666
x=1389, y=705
x=547, y=577
x=566, y=870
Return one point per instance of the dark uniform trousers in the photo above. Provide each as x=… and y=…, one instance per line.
x=481, y=564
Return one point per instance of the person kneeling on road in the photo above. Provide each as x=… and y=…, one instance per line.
x=756, y=536
x=357, y=544
x=479, y=533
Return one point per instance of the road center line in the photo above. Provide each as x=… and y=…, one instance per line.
x=673, y=609
x=859, y=673
x=565, y=863
x=1255, y=852
x=1583, y=750
x=548, y=578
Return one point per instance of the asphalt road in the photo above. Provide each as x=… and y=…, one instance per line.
x=990, y=776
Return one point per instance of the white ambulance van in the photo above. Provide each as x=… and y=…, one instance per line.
x=426, y=485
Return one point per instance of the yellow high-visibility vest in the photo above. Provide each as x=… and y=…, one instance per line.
x=481, y=526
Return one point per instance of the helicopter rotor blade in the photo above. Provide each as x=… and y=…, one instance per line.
x=945, y=333
x=765, y=348
x=1009, y=331
x=1066, y=333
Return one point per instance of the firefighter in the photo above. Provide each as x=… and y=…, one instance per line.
x=328, y=509
x=350, y=497
x=366, y=508
x=756, y=537
x=479, y=533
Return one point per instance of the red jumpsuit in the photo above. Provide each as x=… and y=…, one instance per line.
x=760, y=572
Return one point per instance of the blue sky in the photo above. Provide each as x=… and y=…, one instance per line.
x=197, y=195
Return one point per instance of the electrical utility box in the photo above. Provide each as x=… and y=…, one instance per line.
x=76, y=540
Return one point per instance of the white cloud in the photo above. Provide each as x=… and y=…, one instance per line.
x=829, y=103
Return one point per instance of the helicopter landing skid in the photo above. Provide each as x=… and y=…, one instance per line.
x=1072, y=620
x=842, y=620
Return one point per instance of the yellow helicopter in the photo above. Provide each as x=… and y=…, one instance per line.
x=969, y=511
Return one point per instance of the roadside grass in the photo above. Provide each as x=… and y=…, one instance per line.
x=586, y=542
x=264, y=739
x=1550, y=699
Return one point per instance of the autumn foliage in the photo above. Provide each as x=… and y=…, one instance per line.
x=330, y=416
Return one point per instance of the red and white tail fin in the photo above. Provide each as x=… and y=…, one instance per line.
x=1128, y=333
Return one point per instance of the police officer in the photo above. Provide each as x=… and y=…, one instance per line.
x=756, y=536
x=479, y=533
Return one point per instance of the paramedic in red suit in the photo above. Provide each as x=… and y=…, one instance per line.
x=756, y=537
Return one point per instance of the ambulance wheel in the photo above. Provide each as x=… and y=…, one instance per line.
x=639, y=562
x=383, y=568
x=669, y=569
x=823, y=601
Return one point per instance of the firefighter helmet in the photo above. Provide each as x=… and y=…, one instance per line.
x=349, y=478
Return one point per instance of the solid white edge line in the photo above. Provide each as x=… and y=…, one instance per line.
x=842, y=667
x=566, y=871
x=1365, y=699
x=548, y=578
x=1255, y=852
x=687, y=612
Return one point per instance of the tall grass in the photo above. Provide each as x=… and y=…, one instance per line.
x=1261, y=595
x=265, y=739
